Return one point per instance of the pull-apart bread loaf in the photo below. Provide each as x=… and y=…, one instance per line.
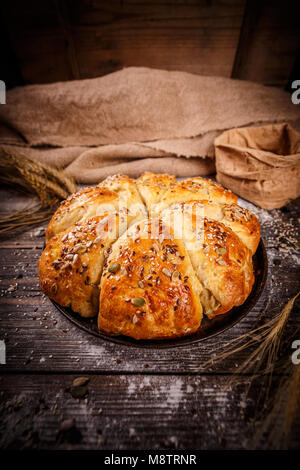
x=150, y=256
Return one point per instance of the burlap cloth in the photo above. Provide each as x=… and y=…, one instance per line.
x=134, y=120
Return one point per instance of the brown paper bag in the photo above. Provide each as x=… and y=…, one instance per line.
x=260, y=164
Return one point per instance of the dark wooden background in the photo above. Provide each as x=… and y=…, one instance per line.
x=52, y=40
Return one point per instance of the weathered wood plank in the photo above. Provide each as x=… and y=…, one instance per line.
x=38, y=40
x=102, y=37
x=38, y=337
x=269, y=42
x=251, y=14
x=129, y=412
x=196, y=37
x=10, y=71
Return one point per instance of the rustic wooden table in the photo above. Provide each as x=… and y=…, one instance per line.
x=136, y=398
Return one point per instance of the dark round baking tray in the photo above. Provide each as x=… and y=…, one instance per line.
x=207, y=329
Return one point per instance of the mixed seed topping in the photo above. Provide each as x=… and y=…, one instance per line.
x=78, y=242
x=138, y=301
x=113, y=268
x=166, y=272
x=160, y=264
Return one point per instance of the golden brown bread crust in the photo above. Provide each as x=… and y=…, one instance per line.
x=115, y=194
x=223, y=264
x=154, y=292
x=153, y=186
x=194, y=189
x=241, y=221
x=129, y=198
x=206, y=268
x=84, y=204
x=71, y=265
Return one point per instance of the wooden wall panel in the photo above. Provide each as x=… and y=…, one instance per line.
x=68, y=39
x=196, y=36
x=270, y=39
x=38, y=40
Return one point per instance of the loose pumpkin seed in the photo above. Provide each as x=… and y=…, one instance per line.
x=79, y=392
x=79, y=381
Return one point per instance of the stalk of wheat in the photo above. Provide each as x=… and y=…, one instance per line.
x=46, y=183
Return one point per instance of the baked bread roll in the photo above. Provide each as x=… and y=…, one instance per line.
x=154, y=291
x=150, y=256
x=129, y=199
x=117, y=193
x=82, y=205
x=71, y=265
x=241, y=221
x=194, y=189
x=222, y=263
x=152, y=187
